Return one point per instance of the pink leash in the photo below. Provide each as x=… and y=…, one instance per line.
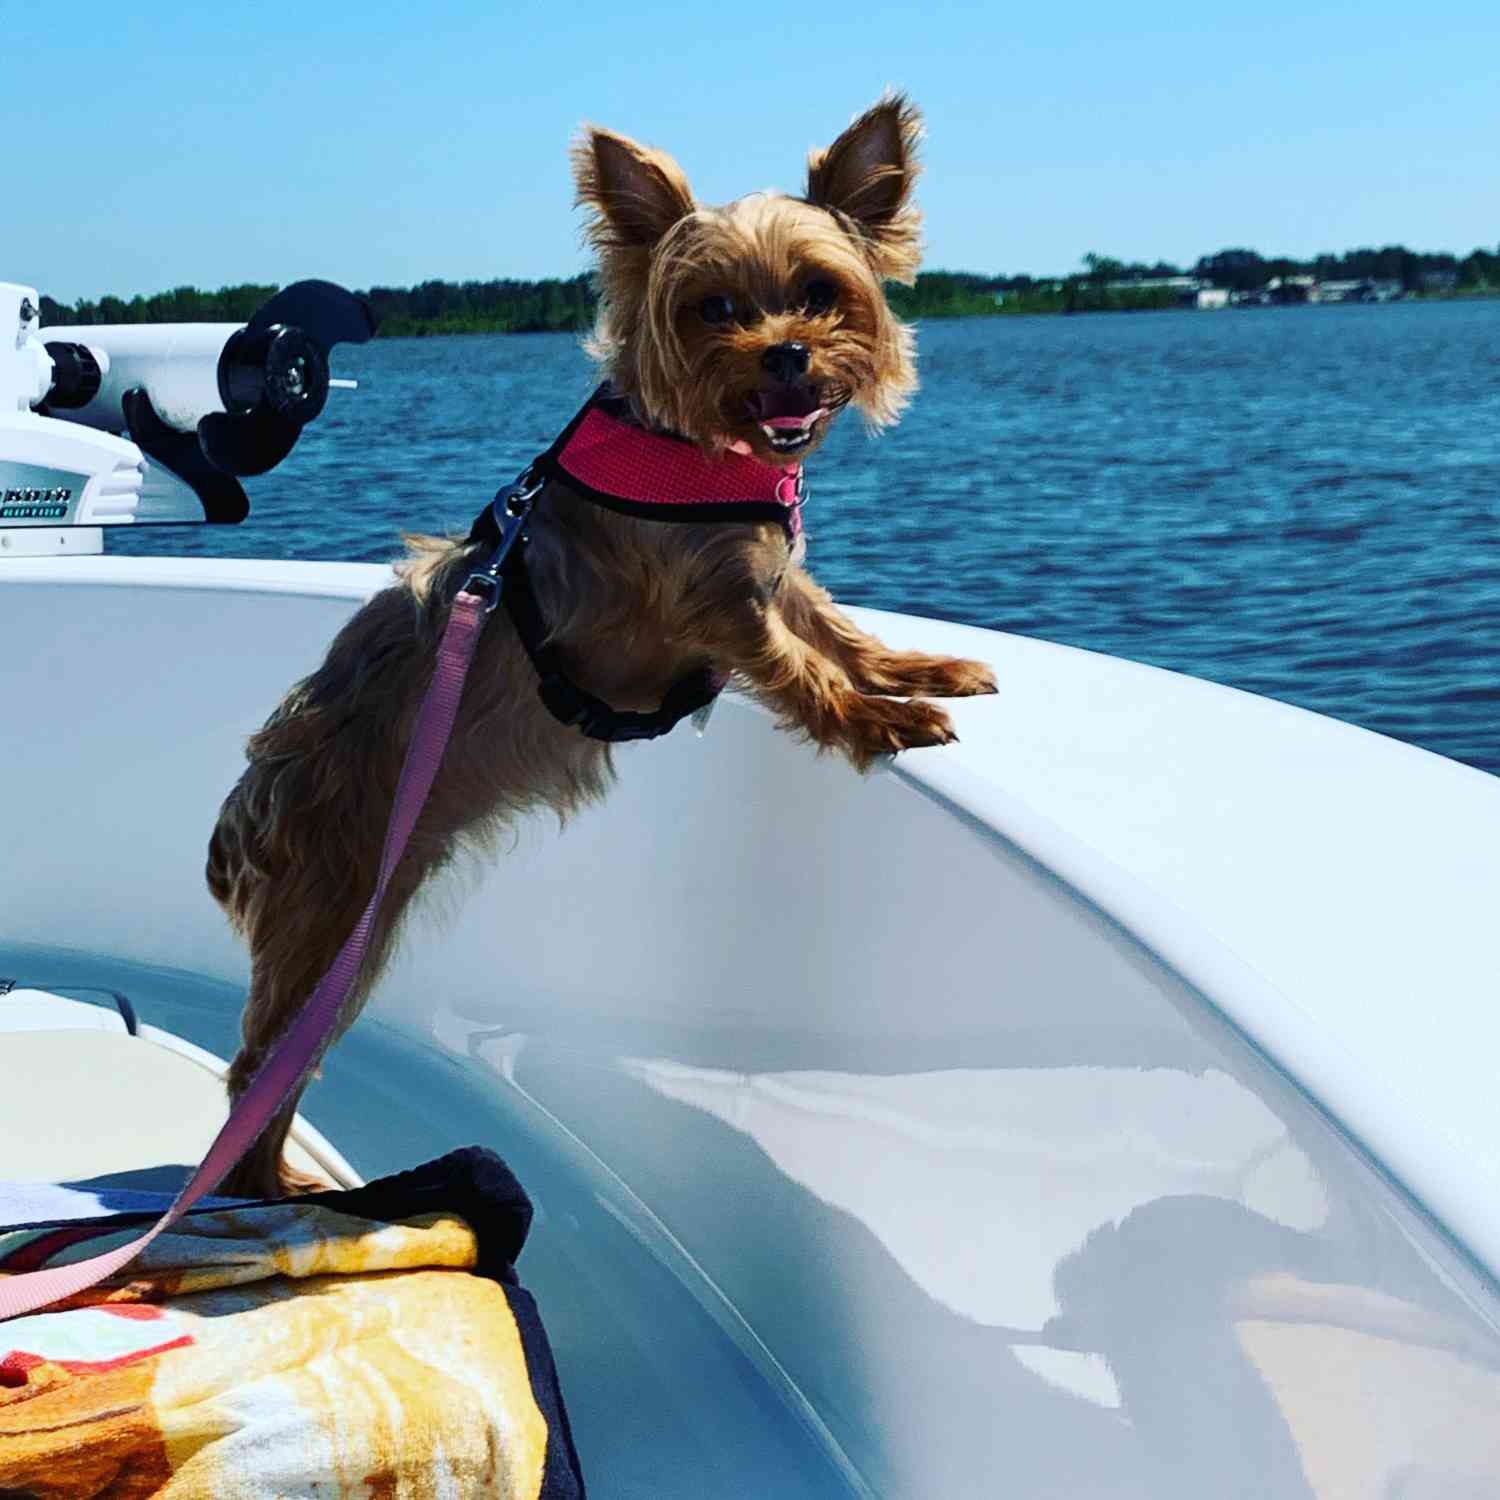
x=285, y=1068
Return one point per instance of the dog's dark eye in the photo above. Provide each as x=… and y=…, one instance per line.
x=819, y=295
x=716, y=309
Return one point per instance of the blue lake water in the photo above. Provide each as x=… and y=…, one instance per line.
x=1302, y=502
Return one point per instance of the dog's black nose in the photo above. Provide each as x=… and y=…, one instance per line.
x=787, y=362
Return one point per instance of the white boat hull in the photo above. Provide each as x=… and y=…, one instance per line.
x=1098, y=1107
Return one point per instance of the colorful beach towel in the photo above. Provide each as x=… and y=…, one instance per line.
x=372, y=1343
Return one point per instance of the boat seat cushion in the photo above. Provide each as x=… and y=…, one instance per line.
x=84, y=1101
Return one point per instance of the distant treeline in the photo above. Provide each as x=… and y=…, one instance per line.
x=433, y=307
x=553, y=305
x=476, y=306
x=962, y=294
x=549, y=306
x=1416, y=270
x=1109, y=285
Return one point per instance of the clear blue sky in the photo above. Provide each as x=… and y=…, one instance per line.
x=386, y=143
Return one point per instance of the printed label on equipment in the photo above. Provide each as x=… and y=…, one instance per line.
x=32, y=495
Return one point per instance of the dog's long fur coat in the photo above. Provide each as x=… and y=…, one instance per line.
x=633, y=604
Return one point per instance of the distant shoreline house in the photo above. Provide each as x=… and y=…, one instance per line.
x=1299, y=291
x=1366, y=289
x=1290, y=291
x=1200, y=293
x=1190, y=291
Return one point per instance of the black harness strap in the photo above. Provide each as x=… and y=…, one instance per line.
x=565, y=700
x=502, y=526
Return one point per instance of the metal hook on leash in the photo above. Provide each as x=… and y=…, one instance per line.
x=509, y=512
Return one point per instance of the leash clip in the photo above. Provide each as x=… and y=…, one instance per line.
x=507, y=517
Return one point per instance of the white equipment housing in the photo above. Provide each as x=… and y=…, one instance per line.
x=53, y=473
x=154, y=423
x=177, y=362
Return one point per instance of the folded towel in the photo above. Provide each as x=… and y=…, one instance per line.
x=371, y=1343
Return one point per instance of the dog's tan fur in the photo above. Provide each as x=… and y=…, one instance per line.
x=633, y=604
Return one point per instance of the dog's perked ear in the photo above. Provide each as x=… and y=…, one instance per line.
x=867, y=176
x=634, y=194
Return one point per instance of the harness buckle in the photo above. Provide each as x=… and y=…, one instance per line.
x=509, y=512
x=525, y=489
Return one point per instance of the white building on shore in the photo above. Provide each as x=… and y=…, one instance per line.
x=1191, y=291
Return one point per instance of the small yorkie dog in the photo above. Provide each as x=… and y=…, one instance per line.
x=662, y=556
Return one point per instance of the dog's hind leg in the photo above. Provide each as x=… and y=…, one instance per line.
x=263, y=1170
x=296, y=942
x=296, y=929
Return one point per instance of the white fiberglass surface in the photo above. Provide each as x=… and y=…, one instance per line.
x=881, y=1143
x=1063, y=1254
x=999, y=1194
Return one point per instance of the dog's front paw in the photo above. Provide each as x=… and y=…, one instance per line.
x=957, y=677
x=881, y=726
x=913, y=674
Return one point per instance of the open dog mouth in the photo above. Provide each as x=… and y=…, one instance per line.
x=787, y=417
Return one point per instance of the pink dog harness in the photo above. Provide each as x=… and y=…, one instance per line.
x=604, y=457
x=616, y=463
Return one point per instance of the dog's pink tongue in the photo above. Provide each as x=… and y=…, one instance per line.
x=798, y=423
